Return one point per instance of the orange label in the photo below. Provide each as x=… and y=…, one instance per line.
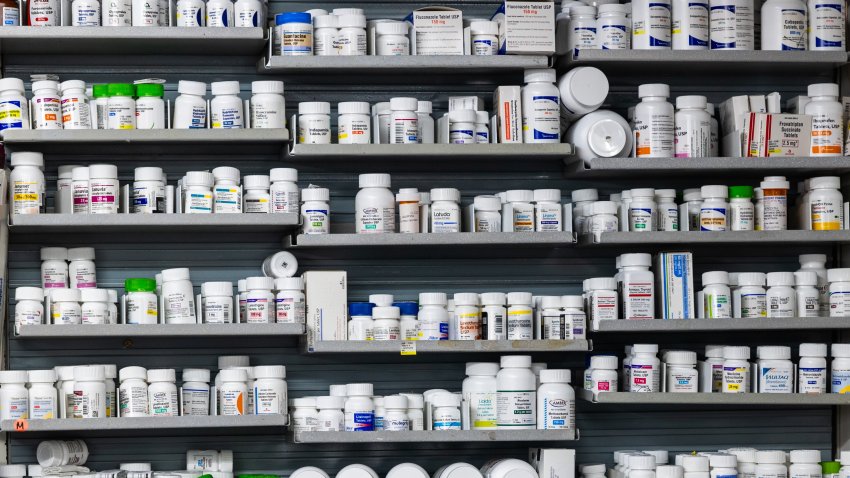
x=821, y=132
x=21, y=425
x=643, y=151
x=828, y=149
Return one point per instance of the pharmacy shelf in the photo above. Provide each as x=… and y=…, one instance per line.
x=723, y=325
x=238, y=142
x=709, y=238
x=158, y=331
x=123, y=42
x=149, y=223
x=146, y=426
x=754, y=167
x=789, y=399
x=715, y=62
x=438, y=436
x=448, y=346
x=475, y=240
x=400, y=65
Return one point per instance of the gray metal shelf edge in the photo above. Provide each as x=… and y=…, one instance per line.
x=707, y=237
x=720, y=325
x=146, y=222
x=436, y=436
x=460, y=64
x=652, y=167
x=148, y=425
x=542, y=239
x=159, y=330
x=305, y=152
x=128, y=41
x=756, y=399
x=448, y=346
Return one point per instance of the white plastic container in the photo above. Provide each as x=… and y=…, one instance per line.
x=651, y=25
x=714, y=212
x=812, y=369
x=54, y=267
x=516, y=393
x=690, y=25
x=190, y=108
x=233, y=392
x=217, y=302
x=827, y=29
x=121, y=107
x=645, y=369
x=826, y=204
x=359, y=408
x=76, y=112
x=600, y=134
x=162, y=393
x=446, y=412
x=582, y=29
x=374, y=205
x=603, y=374
x=637, y=287
x=404, y=122
x=195, y=392
x=392, y=39
x=643, y=210
x=46, y=105
x=330, y=417
x=485, y=38
x=825, y=108
x=351, y=39
x=103, y=189
x=315, y=210
x=540, y=107
x=781, y=297
x=717, y=297
x=14, y=397
x=736, y=370
x=654, y=121
x=256, y=199
x=29, y=308
x=314, y=122
x=479, y=389
x=771, y=463
x=354, y=122
x=89, y=391
x=555, y=401
x=693, y=127
x=43, y=399
x=614, y=27
x=65, y=307
x=682, y=375
x=226, y=108
x=775, y=370
x=178, y=297
x=445, y=210
x=150, y=107
x=386, y=325
x=784, y=25
x=268, y=107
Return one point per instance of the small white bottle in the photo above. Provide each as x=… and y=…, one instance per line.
x=462, y=126
x=227, y=192
x=827, y=115
x=603, y=375
x=693, y=127
x=736, y=369
x=516, y=393
x=268, y=107
x=690, y=27
x=359, y=408
x=425, y=124
x=260, y=307
x=654, y=122
x=541, y=107
x=404, y=122
x=29, y=308
x=190, y=108
x=812, y=369
x=315, y=211
x=374, y=205
x=305, y=415
x=445, y=210
x=199, y=195
x=645, y=369
x=574, y=314
x=409, y=219
x=392, y=39
x=717, y=297
x=81, y=268
x=233, y=392
x=103, y=189
x=522, y=209
x=642, y=210
x=781, y=297
x=773, y=213
x=614, y=27
x=651, y=22
x=76, y=112
x=54, y=268
x=148, y=191
x=121, y=107
x=354, y=122
x=714, y=212
x=775, y=370
x=638, y=287
x=178, y=297
x=666, y=210
x=249, y=13
x=520, y=319
x=217, y=303
x=386, y=323
x=226, y=108
x=191, y=13
x=65, y=307
x=556, y=401
x=548, y=212
x=396, y=417
x=807, y=293
x=840, y=369
x=582, y=33
x=325, y=35
x=14, y=397
x=682, y=375
x=46, y=105
x=94, y=309
x=826, y=204
x=290, y=301
x=43, y=397
x=195, y=392
x=784, y=25
x=485, y=38
x=256, y=198
x=741, y=209
x=220, y=13
x=827, y=29
x=752, y=298
x=314, y=122
x=89, y=391
x=433, y=316
x=732, y=24
x=330, y=417
x=145, y=13
x=351, y=39
x=361, y=326
x=285, y=195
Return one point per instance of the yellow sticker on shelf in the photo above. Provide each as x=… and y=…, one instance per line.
x=408, y=347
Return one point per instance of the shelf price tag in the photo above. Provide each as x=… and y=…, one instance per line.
x=408, y=347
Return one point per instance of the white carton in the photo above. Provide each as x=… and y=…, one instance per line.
x=553, y=462
x=797, y=104
x=526, y=27
x=732, y=113
x=326, y=302
x=436, y=31
x=507, y=101
x=789, y=135
x=674, y=272
x=466, y=103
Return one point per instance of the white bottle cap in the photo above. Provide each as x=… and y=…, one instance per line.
x=582, y=195
x=199, y=178
x=519, y=195
x=359, y=390
x=736, y=353
x=691, y=102
x=94, y=295
x=825, y=182
x=196, y=88
x=445, y=194
x=770, y=456
x=269, y=371
x=432, y=298
x=374, y=180
x=722, y=460
x=231, y=375
x=550, y=302
x=816, y=258
x=68, y=85
x=314, y=108
x=680, y=357
x=661, y=456
x=636, y=260
x=324, y=21
x=113, y=295
x=812, y=350
x=642, y=462
x=493, y=298
x=180, y=273
x=669, y=471
x=162, y=375
x=266, y=87
x=309, y=471
x=45, y=85
x=692, y=463
x=654, y=90
x=137, y=373
x=404, y=104
x=715, y=277
x=483, y=27
x=841, y=350
x=29, y=293
x=81, y=254
x=65, y=295
x=547, y=195
x=395, y=401
x=751, y=279
x=601, y=283
x=88, y=373
x=714, y=351
x=516, y=361
x=330, y=403
x=546, y=75
x=572, y=302
x=390, y=312
x=555, y=375
x=256, y=181
x=519, y=298
x=823, y=89
x=217, y=289
x=80, y=173
x=445, y=400
x=195, y=375
x=392, y=28
x=805, y=456
x=356, y=20
x=54, y=254
x=487, y=369
x=231, y=361
x=806, y=278
x=773, y=352
x=13, y=471
x=103, y=171
x=381, y=300
x=463, y=116
x=775, y=182
x=466, y=298
x=354, y=107
x=135, y=467
x=665, y=193
x=424, y=107
x=35, y=471
x=643, y=193
x=27, y=158
x=356, y=471
x=302, y=402
x=780, y=279
x=11, y=84
x=586, y=83
x=487, y=203
x=224, y=88
x=603, y=362
x=289, y=283
x=259, y=283
x=692, y=195
x=838, y=275
x=315, y=194
x=714, y=191
x=603, y=207
x=224, y=173
x=148, y=173
x=645, y=348
x=283, y=174
x=13, y=376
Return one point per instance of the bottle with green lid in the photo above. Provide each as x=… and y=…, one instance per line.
x=142, y=302
x=100, y=93
x=120, y=107
x=830, y=469
x=742, y=211
x=150, y=107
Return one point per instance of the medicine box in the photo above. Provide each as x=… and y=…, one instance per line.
x=553, y=462
x=436, y=31
x=674, y=273
x=507, y=101
x=326, y=302
x=526, y=27
x=769, y=135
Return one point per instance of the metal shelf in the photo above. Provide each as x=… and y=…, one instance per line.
x=394, y=65
x=160, y=330
x=716, y=62
x=655, y=167
x=141, y=223
x=792, y=399
x=449, y=346
x=722, y=325
x=123, y=42
x=163, y=141
x=705, y=237
x=438, y=436
x=146, y=426
x=461, y=239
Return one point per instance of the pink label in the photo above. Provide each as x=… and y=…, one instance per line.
x=54, y=285
x=103, y=199
x=603, y=386
x=86, y=285
x=81, y=200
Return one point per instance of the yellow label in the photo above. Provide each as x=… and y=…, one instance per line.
x=520, y=312
x=408, y=348
x=151, y=312
x=826, y=226
x=26, y=197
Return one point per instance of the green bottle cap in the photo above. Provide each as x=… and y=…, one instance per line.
x=830, y=467
x=120, y=89
x=741, y=192
x=99, y=91
x=149, y=90
x=140, y=285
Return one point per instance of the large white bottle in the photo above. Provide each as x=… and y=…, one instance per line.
x=654, y=122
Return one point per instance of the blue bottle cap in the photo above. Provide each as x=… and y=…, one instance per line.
x=360, y=308
x=407, y=308
x=292, y=17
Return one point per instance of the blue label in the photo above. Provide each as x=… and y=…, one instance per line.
x=364, y=422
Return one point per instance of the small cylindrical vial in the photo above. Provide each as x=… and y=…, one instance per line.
x=812, y=370
x=354, y=122
x=362, y=325
x=43, y=398
x=14, y=397
x=775, y=370
x=446, y=414
x=741, y=209
x=227, y=191
x=330, y=417
x=425, y=124
x=226, y=108
x=807, y=294
x=392, y=39
x=121, y=107
x=582, y=29
x=190, y=108
x=90, y=392
x=409, y=220
x=482, y=127
x=314, y=122
x=433, y=316
x=289, y=300
x=217, y=302
x=199, y=195
x=94, y=309
x=285, y=195
x=162, y=393
x=462, y=126
x=751, y=296
x=548, y=212
x=603, y=218
x=714, y=210
x=260, y=307
x=325, y=35
x=771, y=464
x=488, y=215
x=150, y=107
x=46, y=105
x=103, y=189
x=839, y=292
x=682, y=376
x=76, y=112
x=736, y=369
x=642, y=210
x=781, y=297
x=774, y=213
x=315, y=211
x=65, y=307
x=445, y=210
x=386, y=324
x=133, y=392
x=195, y=392
x=268, y=107
x=148, y=191
x=29, y=308
x=54, y=267
x=404, y=122
x=666, y=210
x=603, y=375
x=257, y=198
x=80, y=190
x=521, y=210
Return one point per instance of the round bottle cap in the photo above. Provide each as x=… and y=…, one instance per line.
x=741, y=192
x=267, y=87
x=303, y=402
x=583, y=195
x=645, y=348
x=103, y=171
x=395, y=401
x=27, y=158
x=374, y=180
x=516, y=361
x=359, y=390
x=330, y=403
x=132, y=373
x=386, y=313
x=691, y=195
x=324, y=21
x=805, y=278
x=445, y=194
x=487, y=203
x=823, y=89
x=445, y=400
x=751, y=279
x=519, y=298
x=483, y=27
x=356, y=471
x=636, y=260
x=722, y=460
x=392, y=28
x=654, y=90
x=80, y=173
x=841, y=350
x=199, y=178
x=65, y=295
x=812, y=350
x=466, y=298
x=825, y=182
x=381, y=300
x=586, y=84
x=572, y=302
x=462, y=116
x=180, y=273
x=50, y=85
x=547, y=195
x=353, y=20
x=162, y=375
x=603, y=207
x=665, y=193
x=196, y=88
x=424, y=107
x=544, y=75
x=54, y=254
x=283, y=174
x=487, y=369
x=354, y=107
x=680, y=357
x=603, y=362
x=256, y=181
x=280, y=264
x=555, y=376
x=714, y=351
x=642, y=462
x=694, y=463
x=217, y=289
x=224, y=88
x=714, y=191
x=838, y=275
x=259, y=283
x=493, y=298
x=736, y=353
x=232, y=375
x=270, y=371
x=601, y=283
x=148, y=173
x=519, y=195
x=404, y=104
x=81, y=254
x=643, y=193
x=691, y=102
x=309, y=471
x=780, y=279
x=226, y=173
x=289, y=283
x=407, y=195
x=775, y=182
x=150, y=90
x=29, y=293
x=94, y=295
x=292, y=17
x=830, y=467
x=315, y=194
x=770, y=456
x=550, y=302
x=772, y=352
x=195, y=375
x=314, y=108
x=67, y=86
x=715, y=277
x=231, y=361
x=432, y=298
x=88, y=373
x=805, y=456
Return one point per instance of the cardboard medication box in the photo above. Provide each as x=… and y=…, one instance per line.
x=674, y=276
x=553, y=462
x=507, y=101
x=777, y=135
x=526, y=27
x=326, y=294
x=436, y=31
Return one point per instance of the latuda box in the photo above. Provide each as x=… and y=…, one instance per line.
x=526, y=28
